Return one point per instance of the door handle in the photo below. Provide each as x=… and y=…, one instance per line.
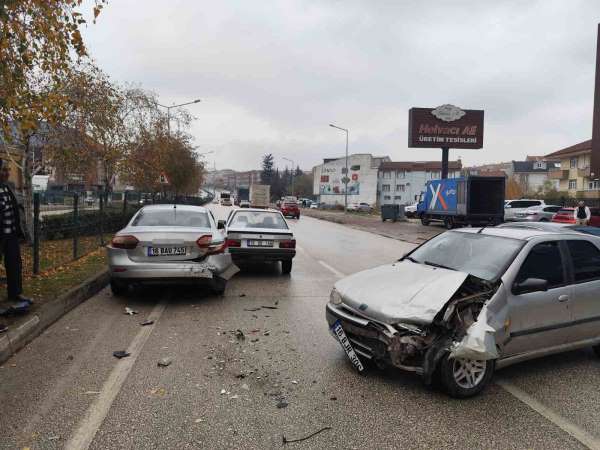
x=563, y=298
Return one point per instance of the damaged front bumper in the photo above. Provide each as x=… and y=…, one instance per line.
x=376, y=341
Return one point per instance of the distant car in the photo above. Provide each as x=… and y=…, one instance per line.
x=259, y=235
x=360, y=207
x=314, y=205
x=290, y=209
x=471, y=301
x=513, y=207
x=169, y=244
x=410, y=211
x=537, y=214
x=244, y=204
x=567, y=215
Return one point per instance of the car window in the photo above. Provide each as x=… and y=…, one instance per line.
x=171, y=218
x=258, y=219
x=565, y=211
x=586, y=260
x=543, y=262
x=525, y=203
x=552, y=208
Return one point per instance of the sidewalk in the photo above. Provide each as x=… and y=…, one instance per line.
x=410, y=230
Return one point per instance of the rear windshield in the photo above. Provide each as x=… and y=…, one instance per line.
x=171, y=218
x=258, y=219
x=290, y=205
x=524, y=203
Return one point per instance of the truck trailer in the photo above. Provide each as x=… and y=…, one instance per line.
x=473, y=200
x=260, y=195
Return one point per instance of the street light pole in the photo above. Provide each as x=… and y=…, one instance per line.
x=346, y=170
x=168, y=108
x=287, y=159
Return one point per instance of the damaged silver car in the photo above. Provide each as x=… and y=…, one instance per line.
x=470, y=301
x=170, y=244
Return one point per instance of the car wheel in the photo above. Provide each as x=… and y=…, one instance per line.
x=543, y=220
x=286, y=267
x=462, y=378
x=424, y=221
x=449, y=223
x=119, y=288
x=219, y=285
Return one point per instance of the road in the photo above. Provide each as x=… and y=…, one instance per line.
x=67, y=390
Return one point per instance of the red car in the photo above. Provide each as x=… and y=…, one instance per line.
x=567, y=215
x=289, y=209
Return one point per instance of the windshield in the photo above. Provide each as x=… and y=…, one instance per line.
x=481, y=255
x=171, y=218
x=258, y=219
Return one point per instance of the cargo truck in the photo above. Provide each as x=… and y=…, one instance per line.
x=463, y=201
x=260, y=195
x=243, y=193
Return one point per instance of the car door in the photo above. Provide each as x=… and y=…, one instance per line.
x=540, y=319
x=585, y=303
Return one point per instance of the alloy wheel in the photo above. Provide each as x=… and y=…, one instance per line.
x=468, y=373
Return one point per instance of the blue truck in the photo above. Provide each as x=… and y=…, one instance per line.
x=472, y=200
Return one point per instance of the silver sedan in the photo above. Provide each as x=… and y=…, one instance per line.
x=169, y=244
x=471, y=301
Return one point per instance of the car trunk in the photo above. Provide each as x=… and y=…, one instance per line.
x=166, y=244
x=486, y=196
x=260, y=238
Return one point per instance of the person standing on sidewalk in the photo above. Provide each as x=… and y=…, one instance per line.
x=582, y=214
x=12, y=232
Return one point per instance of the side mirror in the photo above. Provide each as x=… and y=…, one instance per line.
x=530, y=285
x=221, y=225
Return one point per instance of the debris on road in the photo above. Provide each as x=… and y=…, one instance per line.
x=242, y=295
x=333, y=397
x=147, y=322
x=129, y=311
x=198, y=421
x=294, y=382
x=121, y=354
x=165, y=362
x=245, y=387
x=282, y=404
x=269, y=307
x=241, y=375
x=240, y=335
x=266, y=333
x=254, y=340
x=223, y=391
x=251, y=309
x=285, y=440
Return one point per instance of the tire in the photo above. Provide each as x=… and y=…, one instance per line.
x=424, y=220
x=119, y=288
x=449, y=223
x=543, y=220
x=458, y=386
x=286, y=266
x=219, y=285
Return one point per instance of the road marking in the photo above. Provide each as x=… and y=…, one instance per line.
x=564, y=424
x=96, y=413
x=336, y=272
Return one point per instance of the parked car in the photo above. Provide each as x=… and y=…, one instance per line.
x=314, y=205
x=360, y=207
x=259, y=235
x=470, y=301
x=543, y=213
x=513, y=207
x=244, y=203
x=290, y=209
x=554, y=227
x=169, y=244
x=567, y=215
x=410, y=211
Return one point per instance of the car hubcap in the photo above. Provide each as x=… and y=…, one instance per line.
x=468, y=373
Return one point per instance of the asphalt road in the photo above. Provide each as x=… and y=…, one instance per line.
x=67, y=390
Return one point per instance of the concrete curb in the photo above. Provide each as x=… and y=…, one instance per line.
x=14, y=340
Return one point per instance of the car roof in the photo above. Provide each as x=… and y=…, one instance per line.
x=522, y=233
x=177, y=206
x=257, y=210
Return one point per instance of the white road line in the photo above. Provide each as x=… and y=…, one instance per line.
x=336, y=272
x=96, y=413
x=564, y=424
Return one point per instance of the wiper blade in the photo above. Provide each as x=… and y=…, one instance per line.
x=411, y=259
x=441, y=266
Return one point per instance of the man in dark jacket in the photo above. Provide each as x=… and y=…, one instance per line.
x=12, y=232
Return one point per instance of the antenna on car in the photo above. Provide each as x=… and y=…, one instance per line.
x=480, y=230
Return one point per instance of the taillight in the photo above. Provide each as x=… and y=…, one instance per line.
x=205, y=242
x=233, y=243
x=125, y=242
x=290, y=243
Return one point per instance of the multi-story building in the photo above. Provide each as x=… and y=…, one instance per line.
x=329, y=179
x=531, y=176
x=402, y=182
x=574, y=175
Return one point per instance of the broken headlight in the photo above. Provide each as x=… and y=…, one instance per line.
x=335, y=298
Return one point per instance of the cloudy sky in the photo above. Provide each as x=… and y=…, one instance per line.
x=273, y=74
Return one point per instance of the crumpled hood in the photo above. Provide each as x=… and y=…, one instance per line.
x=401, y=292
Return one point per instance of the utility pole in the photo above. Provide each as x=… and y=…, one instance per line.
x=293, y=173
x=345, y=178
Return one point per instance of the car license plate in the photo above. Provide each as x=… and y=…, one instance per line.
x=259, y=243
x=167, y=251
x=339, y=333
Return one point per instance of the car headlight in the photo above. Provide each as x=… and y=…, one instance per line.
x=335, y=298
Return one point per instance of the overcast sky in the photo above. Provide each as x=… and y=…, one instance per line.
x=273, y=74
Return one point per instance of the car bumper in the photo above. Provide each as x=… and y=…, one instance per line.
x=525, y=219
x=251, y=254
x=370, y=340
x=121, y=267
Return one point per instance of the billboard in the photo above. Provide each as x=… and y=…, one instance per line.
x=333, y=176
x=445, y=126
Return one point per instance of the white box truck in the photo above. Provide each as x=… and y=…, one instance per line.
x=260, y=195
